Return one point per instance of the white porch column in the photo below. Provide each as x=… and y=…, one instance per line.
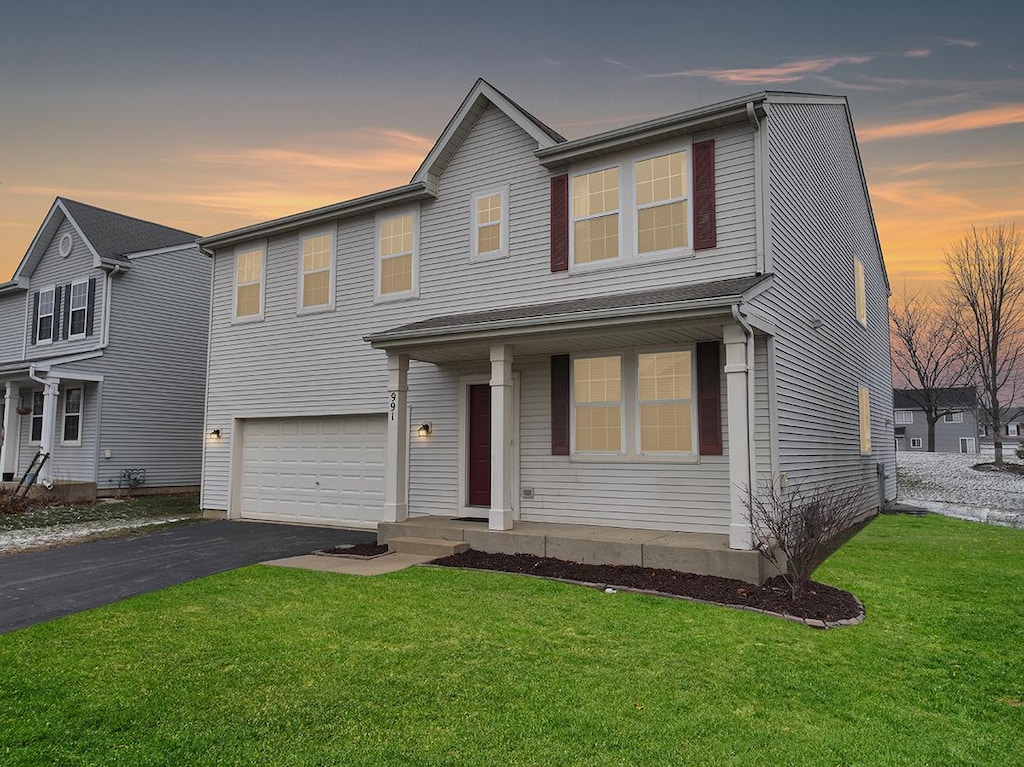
x=736, y=373
x=503, y=429
x=396, y=459
x=11, y=432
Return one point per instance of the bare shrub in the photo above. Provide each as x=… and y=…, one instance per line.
x=12, y=504
x=799, y=528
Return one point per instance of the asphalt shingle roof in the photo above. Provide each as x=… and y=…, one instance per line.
x=113, y=234
x=958, y=396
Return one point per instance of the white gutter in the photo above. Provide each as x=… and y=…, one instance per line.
x=51, y=390
x=751, y=409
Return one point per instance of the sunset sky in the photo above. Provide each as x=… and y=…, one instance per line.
x=209, y=116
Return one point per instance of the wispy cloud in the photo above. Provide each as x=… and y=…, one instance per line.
x=993, y=117
x=961, y=42
x=920, y=195
x=954, y=166
x=788, y=72
x=917, y=53
x=545, y=61
x=616, y=63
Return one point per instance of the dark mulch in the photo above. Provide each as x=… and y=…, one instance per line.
x=1008, y=468
x=359, y=550
x=819, y=602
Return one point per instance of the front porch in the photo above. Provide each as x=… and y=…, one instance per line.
x=705, y=554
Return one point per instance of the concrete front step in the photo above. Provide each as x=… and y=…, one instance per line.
x=430, y=547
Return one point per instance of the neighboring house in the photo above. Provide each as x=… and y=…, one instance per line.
x=628, y=329
x=103, y=337
x=956, y=431
x=1012, y=432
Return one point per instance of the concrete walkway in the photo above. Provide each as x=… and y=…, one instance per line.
x=388, y=563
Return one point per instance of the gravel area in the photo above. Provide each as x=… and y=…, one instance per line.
x=946, y=484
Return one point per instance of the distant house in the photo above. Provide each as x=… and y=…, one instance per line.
x=1012, y=431
x=103, y=333
x=956, y=431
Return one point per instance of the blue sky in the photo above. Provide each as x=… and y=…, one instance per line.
x=209, y=116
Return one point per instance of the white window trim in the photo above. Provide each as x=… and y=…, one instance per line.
x=248, y=248
x=414, y=292
x=628, y=211
x=332, y=232
x=860, y=292
x=40, y=341
x=916, y=443
x=64, y=417
x=502, y=251
x=85, y=309
x=630, y=409
x=904, y=417
x=954, y=417
x=32, y=416
x=1015, y=427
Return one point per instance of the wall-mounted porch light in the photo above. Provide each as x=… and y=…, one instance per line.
x=215, y=434
x=424, y=430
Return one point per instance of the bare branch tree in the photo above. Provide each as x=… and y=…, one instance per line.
x=986, y=268
x=929, y=356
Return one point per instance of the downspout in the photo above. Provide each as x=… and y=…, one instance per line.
x=751, y=441
x=107, y=292
x=51, y=390
x=759, y=214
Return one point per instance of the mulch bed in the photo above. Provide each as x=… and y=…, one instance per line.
x=358, y=550
x=819, y=602
x=1008, y=468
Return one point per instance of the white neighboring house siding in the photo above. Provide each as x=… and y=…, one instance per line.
x=820, y=221
x=318, y=364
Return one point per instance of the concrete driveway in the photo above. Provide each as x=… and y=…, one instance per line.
x=40, y=585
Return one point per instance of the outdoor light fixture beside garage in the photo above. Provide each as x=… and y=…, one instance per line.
x=215, y=434
x=424, y=430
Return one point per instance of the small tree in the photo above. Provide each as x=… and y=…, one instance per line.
x=798, y=529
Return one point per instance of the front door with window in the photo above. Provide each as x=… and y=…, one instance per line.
x=479, y=452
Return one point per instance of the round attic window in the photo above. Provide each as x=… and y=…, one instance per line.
x=65, y=245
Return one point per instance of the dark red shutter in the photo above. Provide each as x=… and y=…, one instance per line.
x=560, y=224
x=35, y=317
x=560, y=405
x=709, y=398
x=90, y=306
x=705, y=233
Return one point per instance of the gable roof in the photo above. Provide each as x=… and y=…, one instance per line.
x=109, y=236
x=964, y=397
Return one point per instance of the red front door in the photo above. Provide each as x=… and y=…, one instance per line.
x=479, y=445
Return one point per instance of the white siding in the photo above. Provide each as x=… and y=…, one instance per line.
x=819, y=222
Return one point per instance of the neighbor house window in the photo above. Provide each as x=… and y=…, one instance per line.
x=45, y=320
x=957, y=417
x=249, y=268
x=865, y=420
x=904, y=416
x=597, y=404
x=490, y=224
x=316, y=290
x=396, y=255
x=661, y=210
x=665, y=402
x=79, y=307
x=862, y=306
x=72, y=431
x=915, y=442
x=595, y=216
x=1012, y=430
x=36, y=426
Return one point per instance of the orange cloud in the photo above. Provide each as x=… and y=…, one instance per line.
x=781, y=73
x=993, y=117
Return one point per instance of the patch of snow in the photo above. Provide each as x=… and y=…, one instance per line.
x=41, y=537
x=945, y=483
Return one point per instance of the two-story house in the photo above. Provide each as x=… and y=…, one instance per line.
x=626, y=330
x=103, y=338
x=956, y=430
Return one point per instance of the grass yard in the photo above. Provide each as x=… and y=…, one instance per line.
x=447, y=667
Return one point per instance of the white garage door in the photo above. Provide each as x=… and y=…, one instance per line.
x=326, y=471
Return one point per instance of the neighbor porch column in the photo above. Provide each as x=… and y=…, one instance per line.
x=396, y=459
x=503, y=430
x=737, y=392
x=11, y=432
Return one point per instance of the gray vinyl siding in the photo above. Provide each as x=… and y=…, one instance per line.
x=317, y=364
x=947, y=435
x=155, y=370
x=68, y=463
x=55, y=270
x=820, y=221
x=12, y=321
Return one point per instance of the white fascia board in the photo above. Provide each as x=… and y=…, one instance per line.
x=159, y=251
x=75, y=375
x=49, y=364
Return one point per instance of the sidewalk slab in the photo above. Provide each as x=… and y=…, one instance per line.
x=389, y=563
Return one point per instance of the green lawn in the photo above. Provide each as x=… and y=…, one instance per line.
x=430, y=667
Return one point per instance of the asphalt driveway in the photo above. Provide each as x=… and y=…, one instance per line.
x=41, y=585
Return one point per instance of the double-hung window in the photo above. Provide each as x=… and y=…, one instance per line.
x=397, y=255
x=665, y=401
x=36, y=427
x=45, y=321
x=250, y=264
x=490, y=224
x=955, y=417
x=597, y=398
x=1012, y=430
x=595, y=216
x=71, y=434
x=904, y=416
x=662, y=213
x=79, y=304
x=316, y=290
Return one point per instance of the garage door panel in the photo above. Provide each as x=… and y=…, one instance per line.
x=319, y=470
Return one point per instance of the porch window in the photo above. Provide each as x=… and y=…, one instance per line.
x=316, y=289
x=79, y=304
x=597, y=404
x=36, y=426
x=72, y=431
x=45, y=320
x=665, y=401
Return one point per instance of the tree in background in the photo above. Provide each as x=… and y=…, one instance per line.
x=929, y=356
x=986, y=269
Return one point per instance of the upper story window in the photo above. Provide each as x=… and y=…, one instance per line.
x=1012, y=430
x=595, y=216
x=956, y=417
x=490, y=224
x=45, y=320
x=661, y=209
x=397, y=262
x=71, y=434
x=250, y=264
x=904, y=416
x=317, y=271
x=864, y=403
x=862, y=306
x=79, y=308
